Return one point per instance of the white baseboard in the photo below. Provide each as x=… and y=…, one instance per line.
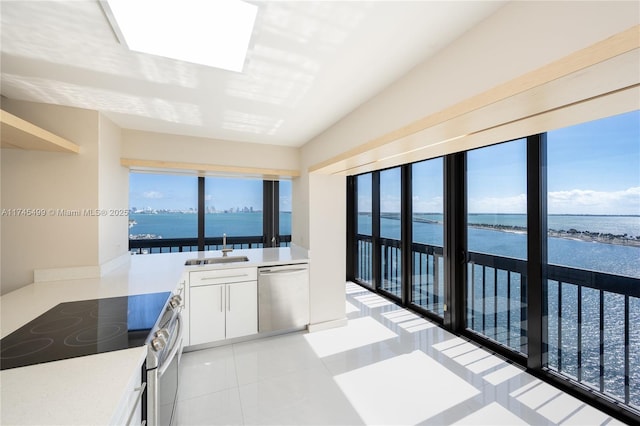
x=327, y=325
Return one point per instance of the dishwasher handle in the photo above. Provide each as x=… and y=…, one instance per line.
x=290, y=271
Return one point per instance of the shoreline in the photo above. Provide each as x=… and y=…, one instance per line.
x=571, y=234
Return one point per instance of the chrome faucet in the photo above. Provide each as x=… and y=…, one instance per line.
x=225, y=250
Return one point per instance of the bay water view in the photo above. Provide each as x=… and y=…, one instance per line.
x=603, y=243
x=185, y=225
x=608, y=244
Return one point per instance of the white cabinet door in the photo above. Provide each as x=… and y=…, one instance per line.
x=242, y=309
x=206, y=313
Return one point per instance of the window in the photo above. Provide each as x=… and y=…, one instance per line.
x=364, y=226
x=165, y=215
x=284, y=207
x=162, y=206
x=233, y=207
x=390, y=231
x=541, y=262
x=427, y=279
x=496, y=237
x=593, y=204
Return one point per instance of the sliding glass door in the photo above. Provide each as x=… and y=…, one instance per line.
x=427, y=261
x=592, y=291
x=497, y=243
x=391, y=231
x=364, y=230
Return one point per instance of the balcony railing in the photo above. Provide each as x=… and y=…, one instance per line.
x=594, y=330
x=592, y=321
x=427, y=286
x=427, y=276
x=391, y=262
x=170, y=245
x=364, y=267
x=497, y=299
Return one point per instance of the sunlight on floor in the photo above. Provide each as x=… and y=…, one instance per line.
x=446, y=344
x=387, y=366
x=462, y=347
x=373, y=300
x=352, y=288
x=408, y=321
x=485, y=364
x=394, y=391
x=399, y=315
x=503, y=375
x=359, y=332
x=470, y=357
x=416, y=325
x=589, y=415
x=493, y=414
x=557, y=406
x=535, y=394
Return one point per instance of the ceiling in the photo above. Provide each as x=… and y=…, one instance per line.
x=309, y=64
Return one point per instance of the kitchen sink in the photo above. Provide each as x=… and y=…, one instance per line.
x=225, y=259
x=216, y=260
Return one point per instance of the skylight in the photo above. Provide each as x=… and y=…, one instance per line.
x=213, y=33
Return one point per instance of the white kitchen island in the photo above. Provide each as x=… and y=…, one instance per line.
x=92, y=389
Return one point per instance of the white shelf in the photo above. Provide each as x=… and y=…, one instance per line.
x=20, y=134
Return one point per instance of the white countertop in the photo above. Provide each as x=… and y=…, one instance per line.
x=88, y=390
x=79, y=391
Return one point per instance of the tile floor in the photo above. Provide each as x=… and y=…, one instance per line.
x=388, y=366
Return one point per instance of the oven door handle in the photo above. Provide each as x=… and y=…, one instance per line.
x=174, y=350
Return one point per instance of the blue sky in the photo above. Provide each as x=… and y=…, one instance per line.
x=181, y=192
x=593, y=168
x=162, y=191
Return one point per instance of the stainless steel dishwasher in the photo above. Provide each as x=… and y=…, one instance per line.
x=283, y=297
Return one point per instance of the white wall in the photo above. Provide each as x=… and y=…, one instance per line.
x=113, y=194
x=327, y=248
x=51, y=181
x=318, y=223
x=188, y=149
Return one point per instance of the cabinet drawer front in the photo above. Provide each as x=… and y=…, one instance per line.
x=129, y=412
x=222, y=276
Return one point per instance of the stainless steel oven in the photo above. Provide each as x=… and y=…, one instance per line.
x=88, y=327
x=162, y=366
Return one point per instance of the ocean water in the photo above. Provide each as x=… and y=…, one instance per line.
x=185, y=225
x=609, y=258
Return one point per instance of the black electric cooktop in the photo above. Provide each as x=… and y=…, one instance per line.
x=85, y=327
